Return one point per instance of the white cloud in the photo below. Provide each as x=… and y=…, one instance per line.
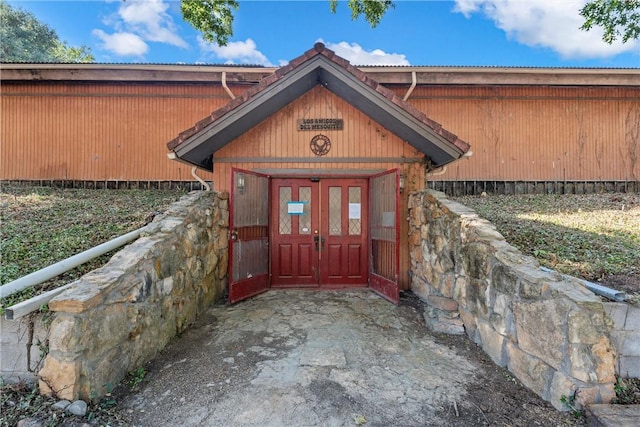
x=122, y=44
x=243, y=52
x=138, y=22
x=546, y=23
x=149, y=19
x=355, y=54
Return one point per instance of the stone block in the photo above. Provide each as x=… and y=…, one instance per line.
x=420, y=287
x=442, y=303
x=629, y=366
x=502, y=316
x=475, y=256
x=585, y=327
x=447, y=285
x=605, y=359
x=470, y=325
x=60, y=378
x=539, y=328
x=617, y=311
x=632, y=322
x=67, y=335
x=603, y=415
x=582, y=365
x=504, y=280
x=476, y=296
x=492, y=343
x=561, y=386
x=534, y=373
x=76, y=299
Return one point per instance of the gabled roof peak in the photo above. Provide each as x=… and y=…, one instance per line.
x=316, y=66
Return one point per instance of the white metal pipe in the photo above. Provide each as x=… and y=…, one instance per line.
x=224, y=85
x=206, y=186
x=23, y=308
x=58, y=268
x=414, y=81
x=438, y=171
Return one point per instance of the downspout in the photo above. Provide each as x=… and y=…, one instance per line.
x=414, y=81
x=438, y=171
x=206, y=186
x=224, y=85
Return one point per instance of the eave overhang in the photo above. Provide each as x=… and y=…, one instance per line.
x=318, y=66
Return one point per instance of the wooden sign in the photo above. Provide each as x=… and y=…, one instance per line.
x=320, y=124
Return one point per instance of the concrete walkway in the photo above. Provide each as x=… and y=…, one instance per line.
x=305, y=358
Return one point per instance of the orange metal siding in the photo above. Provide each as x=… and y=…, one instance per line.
x=98, y=132
x=539, y=133
x=118, y=131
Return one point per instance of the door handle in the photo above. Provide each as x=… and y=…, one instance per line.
x=318, y=242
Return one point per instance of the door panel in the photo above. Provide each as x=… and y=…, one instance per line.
x=249, y=233
x=344, y=226
x=294, y=262
x=384, y=223
x=319, y=232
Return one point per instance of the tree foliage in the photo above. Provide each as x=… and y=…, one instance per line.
x=373, y=10
x=618, y=18
x=214, y=18
x=25, y=39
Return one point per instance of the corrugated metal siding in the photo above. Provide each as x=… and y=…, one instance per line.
x=119, y=131
x=539, y=133
x=99, y=132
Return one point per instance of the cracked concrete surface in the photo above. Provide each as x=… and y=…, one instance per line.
x=304, y=358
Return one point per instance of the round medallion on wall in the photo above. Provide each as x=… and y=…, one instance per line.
x=320, y=145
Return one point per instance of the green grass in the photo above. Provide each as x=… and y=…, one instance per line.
x=589, y=236
x=42, y=225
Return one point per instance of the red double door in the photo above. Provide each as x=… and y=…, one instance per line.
x=319, y=232
x=313, y=232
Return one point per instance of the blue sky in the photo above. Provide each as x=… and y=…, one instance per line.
x=541, y=33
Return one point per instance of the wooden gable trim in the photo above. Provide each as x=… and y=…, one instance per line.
x=318, y=66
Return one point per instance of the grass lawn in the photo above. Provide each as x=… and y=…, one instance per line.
x=42, y=225
x=595, y=237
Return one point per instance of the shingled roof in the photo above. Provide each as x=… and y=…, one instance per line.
x=317, y=66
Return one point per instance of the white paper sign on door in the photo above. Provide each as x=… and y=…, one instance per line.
x=354, y=210
x=295, y=208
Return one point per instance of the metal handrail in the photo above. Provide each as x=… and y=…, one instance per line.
x=56, y=269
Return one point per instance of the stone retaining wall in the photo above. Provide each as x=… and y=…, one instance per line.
x=550, y=332
x=120, y=316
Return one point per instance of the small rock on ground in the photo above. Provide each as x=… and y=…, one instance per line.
x=78, y=408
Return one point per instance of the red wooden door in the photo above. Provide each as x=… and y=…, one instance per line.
x=294, y=220
x=384, y=226
x=344, y=229
x=249, y=234
x=319, y=232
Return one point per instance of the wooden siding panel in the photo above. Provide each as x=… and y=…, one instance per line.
x=99, y=132
x=119, y=131
x=533, y=133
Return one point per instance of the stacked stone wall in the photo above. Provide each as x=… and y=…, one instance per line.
x=120, y=316
x=549, y=331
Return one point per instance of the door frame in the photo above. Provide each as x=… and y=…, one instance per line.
x=389, y=289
